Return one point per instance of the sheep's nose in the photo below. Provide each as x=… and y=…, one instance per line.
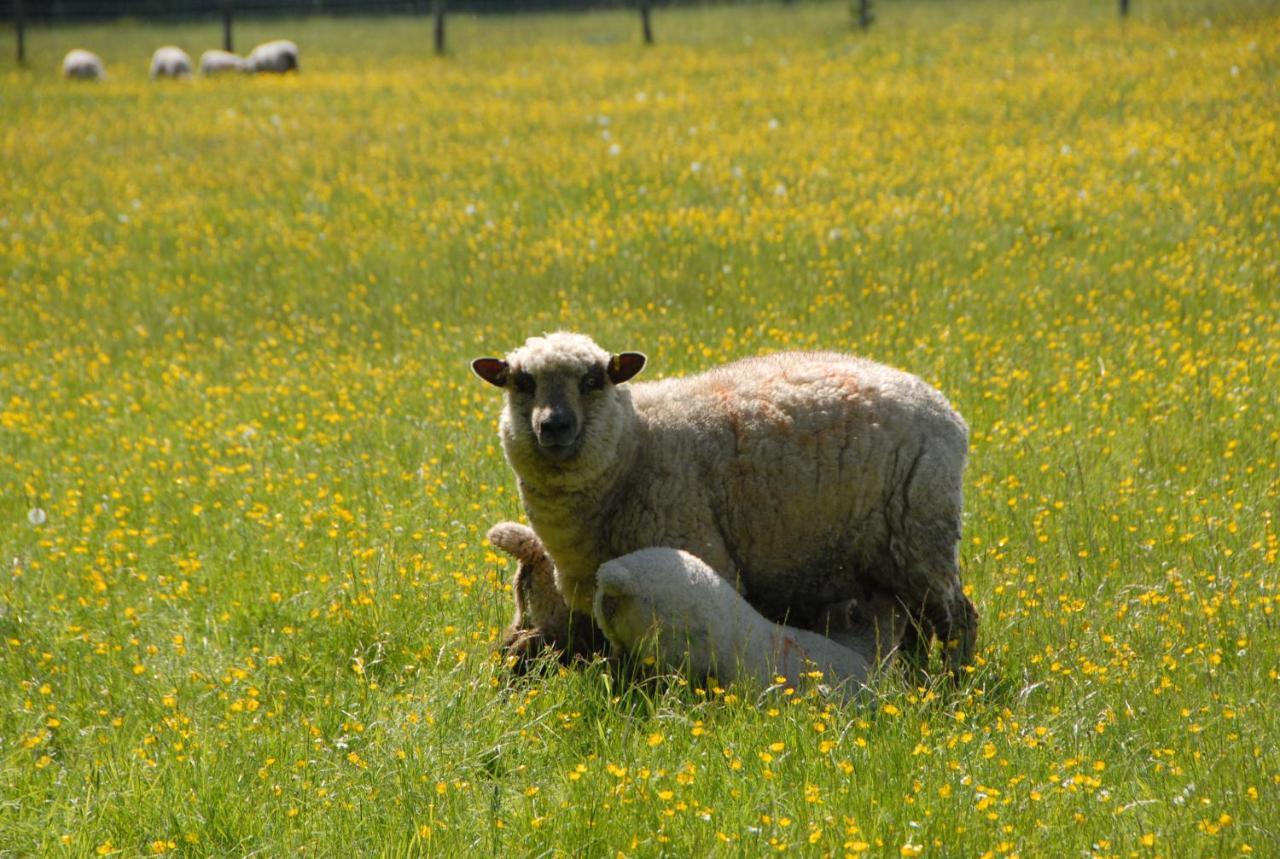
x=557, y=428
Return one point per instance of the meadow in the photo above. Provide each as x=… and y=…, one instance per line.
x=246, y=606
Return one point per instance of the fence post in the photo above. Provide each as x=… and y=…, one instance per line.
x=644, y=21
x=864, y=14
x=20, y=24
x=226, y=26
x=437, y=11
x=1124, y=8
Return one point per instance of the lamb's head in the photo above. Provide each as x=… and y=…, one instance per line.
x=668, y=604
x=562, y=399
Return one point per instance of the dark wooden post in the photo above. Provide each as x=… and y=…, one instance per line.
x=864, y=14
x=437, y=11
x=226, y=26
x=20, y=24
x=645, y=6
x=1124, y=8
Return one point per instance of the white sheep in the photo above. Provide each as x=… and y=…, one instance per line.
x=214, y=62
x=280, y=55
x=83, y=64
x=668, y=605
x=170, y=62
x=802, y=478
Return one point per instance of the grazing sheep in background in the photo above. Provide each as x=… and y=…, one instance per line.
x=542, y=619
x=278, y=56
x=804, y=479
x=170, y=62
x=84, y=65
x=667, y=604
x=213, y=62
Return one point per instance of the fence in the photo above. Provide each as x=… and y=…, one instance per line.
x=23, y=12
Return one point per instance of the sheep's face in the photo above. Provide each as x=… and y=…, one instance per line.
x=559, y=391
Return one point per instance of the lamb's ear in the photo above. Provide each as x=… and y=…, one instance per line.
x=624, y=366
x=492, y=370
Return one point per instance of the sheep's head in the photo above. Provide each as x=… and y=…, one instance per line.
x=560, y=390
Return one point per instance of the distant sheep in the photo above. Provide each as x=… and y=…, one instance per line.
x=804, y=479
x=84, y=65
x=170, y=62
x=668, y=605
x=278, y=56
x=214, y=62
x=542, y=620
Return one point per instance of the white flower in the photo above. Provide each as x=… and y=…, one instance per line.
x=37, y=517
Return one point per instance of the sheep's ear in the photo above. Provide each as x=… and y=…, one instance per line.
x=624, y=366
x=492, y=370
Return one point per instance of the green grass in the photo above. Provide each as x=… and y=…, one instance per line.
x=245, y=472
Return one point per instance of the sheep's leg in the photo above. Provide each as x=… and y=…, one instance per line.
x=924, y=526
x=955, y=621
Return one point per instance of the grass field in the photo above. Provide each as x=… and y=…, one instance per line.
x=246, y=607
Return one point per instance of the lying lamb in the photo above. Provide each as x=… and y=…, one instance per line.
x=278, y=56
x=170, y=62
x=84, y=65
x=668, y=605
x=542, y=620
x=803, y=479
x=214, y=62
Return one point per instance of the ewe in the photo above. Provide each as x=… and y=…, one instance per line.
x=170, y=62
x=214, y=62
x=83, y=64
x=804, y=479
x=278, y=56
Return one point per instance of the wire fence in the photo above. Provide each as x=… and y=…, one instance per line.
x=23, y=13
x=57, y=11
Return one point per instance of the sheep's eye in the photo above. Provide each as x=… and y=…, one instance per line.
x=525, y=383
x=593, y=381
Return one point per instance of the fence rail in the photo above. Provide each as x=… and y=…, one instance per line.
x=55, y=11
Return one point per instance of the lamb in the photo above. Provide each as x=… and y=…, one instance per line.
x=170, y=62
x=280, y=55
x=803, y=479
x=214, y=62
x=542, y=620
x=84, y=65
x=668, y=605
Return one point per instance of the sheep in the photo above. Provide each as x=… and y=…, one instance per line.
x=542, y=619
x=170, y=62
x=84, y=65
x=802, y=478
x=280, y=55
x=668, y=605
x=214, y=62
